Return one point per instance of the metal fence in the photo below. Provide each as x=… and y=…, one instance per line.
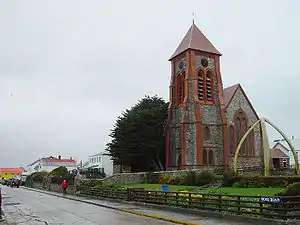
x=279, y=207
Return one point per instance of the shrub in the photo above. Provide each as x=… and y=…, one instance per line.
x=259, y=181
x=61, y=171
x=174, y=180
x=238, y=185
x=204, y=178
x=117, y=186
x=163, y=179
x=91, y=183
x=229, y=179
x=291, y=190
x=152, y=178
x=39, y=176
x=190, y=178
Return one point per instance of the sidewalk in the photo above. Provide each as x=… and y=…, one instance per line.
x=141, y=209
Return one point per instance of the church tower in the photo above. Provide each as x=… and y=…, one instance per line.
x=196, y=130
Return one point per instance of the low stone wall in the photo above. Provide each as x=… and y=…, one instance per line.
x=136, y=178
x=52, y=187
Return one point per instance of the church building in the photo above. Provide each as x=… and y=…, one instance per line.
x=205, y=120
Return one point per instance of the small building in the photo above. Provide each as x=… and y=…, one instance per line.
x=279, y=159
x=283, y=146
x=100, y=161
x=50, y=163
x=8, y=173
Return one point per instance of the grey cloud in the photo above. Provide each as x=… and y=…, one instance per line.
x=73, y=66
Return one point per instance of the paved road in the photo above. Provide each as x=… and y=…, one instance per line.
x=34, y=208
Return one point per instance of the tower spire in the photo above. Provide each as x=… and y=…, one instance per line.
x=195, y=39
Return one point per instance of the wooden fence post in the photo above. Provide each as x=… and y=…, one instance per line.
x=220, y=203
x=129, y=194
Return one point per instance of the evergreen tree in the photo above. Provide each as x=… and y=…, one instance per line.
x=138, y=136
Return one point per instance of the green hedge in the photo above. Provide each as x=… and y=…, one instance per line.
x=259, y=181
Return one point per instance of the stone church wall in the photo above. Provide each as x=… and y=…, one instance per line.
x=211, y=117
x=239, y=101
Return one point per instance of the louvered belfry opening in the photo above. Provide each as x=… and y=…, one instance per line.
x=209, y=86
x=201, y=85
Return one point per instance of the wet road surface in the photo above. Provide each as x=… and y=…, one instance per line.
x=33, y=208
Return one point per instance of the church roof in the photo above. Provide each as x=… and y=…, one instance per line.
x=294, y=141
x=195, y=39
x=228, y=93
x=277, y=153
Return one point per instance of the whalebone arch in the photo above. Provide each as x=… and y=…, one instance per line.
x=265, y=144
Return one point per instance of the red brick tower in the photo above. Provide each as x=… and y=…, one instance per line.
x=196, y=131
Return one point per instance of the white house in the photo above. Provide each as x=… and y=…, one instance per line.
x=283, y=146
x=98, y=161
x=49, y=164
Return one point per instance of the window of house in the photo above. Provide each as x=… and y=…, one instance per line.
x=206, y=133
x=201, y=85
x=180, y=88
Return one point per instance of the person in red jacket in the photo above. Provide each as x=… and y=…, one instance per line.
x=64, y=187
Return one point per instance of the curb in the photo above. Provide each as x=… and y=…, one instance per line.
x=159, y=217
x=153, y=216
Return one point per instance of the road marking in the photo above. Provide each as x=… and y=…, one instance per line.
x=159, y=217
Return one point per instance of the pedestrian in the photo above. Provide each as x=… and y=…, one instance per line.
x=64, y=187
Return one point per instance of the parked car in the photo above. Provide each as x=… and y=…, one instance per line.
x=14, y=183
x=4, y=181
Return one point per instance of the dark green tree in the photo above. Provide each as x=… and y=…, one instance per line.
x=61, y=171
x=137, y=138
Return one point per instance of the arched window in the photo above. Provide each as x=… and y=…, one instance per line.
x=231, y=139
x=205, y=86
x=208, y=86
x=240, y=126
x=208, y=157
x=201, y=85
x=180, y=88
x=206, y=133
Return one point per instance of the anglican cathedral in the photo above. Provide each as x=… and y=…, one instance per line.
x=206, y=121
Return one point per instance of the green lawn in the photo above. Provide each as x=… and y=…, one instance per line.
x=222, y=190
x=157, y=187
x=244, y=191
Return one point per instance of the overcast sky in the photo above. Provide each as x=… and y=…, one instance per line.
x=73, y=66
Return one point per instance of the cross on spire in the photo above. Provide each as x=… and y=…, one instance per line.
x=193, y=17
